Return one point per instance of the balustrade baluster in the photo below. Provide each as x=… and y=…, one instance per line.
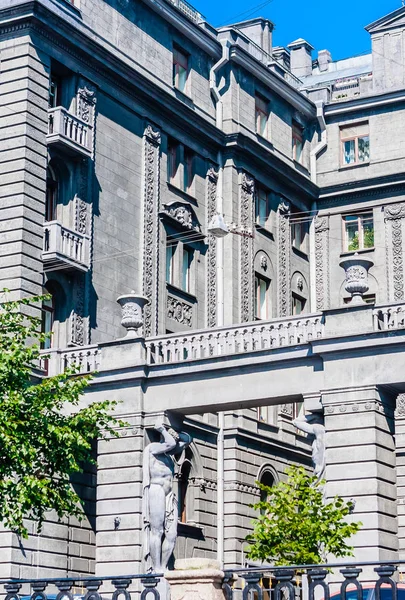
x=252, y=589
x=150, y=587
x=121, y=589
x=284, y=582
x=64, y=588
x=12, y=590
x=385, y=573
x=316, y=577
x=351, y=574
x=38, y=590
x=92, y=586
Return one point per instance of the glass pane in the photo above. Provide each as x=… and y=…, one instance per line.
x=298, y=150
x=352, y=232
x=182, y=78
x=364, y=149
x=368, y=231
x=262, y=208
x=349, y=152
x=185, y=274
x=169, y=263
x=263, y=123
x=263, y=299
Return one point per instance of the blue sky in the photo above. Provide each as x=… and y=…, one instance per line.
x=335, y=25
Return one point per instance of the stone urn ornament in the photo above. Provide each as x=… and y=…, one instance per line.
x=132, y=312
x=356, y=269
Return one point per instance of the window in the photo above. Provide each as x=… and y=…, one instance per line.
x=262, y=207
x=266, y=479
x=299, y=232
x=186, y=269
x=183, y=489
x=262, y=298
x=173, y=160
x=262, y=115
x=188, y=170
x=54, y=91
x=51, y=195
x=267, y=414
x=48, y=317
x=298, y=409
x=355, y=143
x=297, y=142
x=170, y=253
x=298, y=304
x=358, y=232
x=180, y=69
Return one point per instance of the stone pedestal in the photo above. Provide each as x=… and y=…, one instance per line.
x=196, y=579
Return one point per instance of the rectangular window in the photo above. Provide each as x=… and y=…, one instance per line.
x=298, y=410
x=297, y=142
x=186, y=269
x=298, y=304
x=299, y=232
x=267, y=414
x=180, y=69
x=54, y=91
x=355, y=142
x=262, y=115
x=262, y=206
x=358, y=231
x=262, y=298
x=173, y=161
x=189, y=161
x=170, y=252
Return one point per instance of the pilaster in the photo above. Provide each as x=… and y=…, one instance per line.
x=394, y=216
x=322, y=262
x=247, y=188
x=400, y=470
x=283, y=259
x=360, y=465
x=211, y=258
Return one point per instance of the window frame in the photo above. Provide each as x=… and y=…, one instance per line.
x=302, y=299
x=302, y=225
x=356, y=139
x=173, y=161
x=51, y=195
x=55, y=83
x=171, y=247
x=267, y=200
x=180, y=59
x=262, y=110
x=360, y=228
x=188, y=170
x=185, y=273
x=297, y=135
x=259, y=279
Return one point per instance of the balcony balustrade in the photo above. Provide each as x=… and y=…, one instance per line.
x=85, y=358
x=67, y=131
x=64, y=248
x=249, y=337
x=389, y=316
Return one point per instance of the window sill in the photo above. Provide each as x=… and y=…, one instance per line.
x=263, y=229
x=300, y=167
x=178, y=292
x=191, y=531
x=267, y=426
x=300, y=253
x=354, y=165
x=179, y=192
x=262, y=139
x=183, y=97
x=362, y=251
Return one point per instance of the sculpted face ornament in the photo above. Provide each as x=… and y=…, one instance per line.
x=263, y=262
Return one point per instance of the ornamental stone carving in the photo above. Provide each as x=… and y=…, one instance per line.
x=179, y=311
x=322, y=262
x=132, y=312
x=183, y=214
x=287, y=410
x=283, y=258
x=247, y=188
x=150, y=280
x=211, y=261
x=263, y=262
x=81, y=215
x=400, y=409
x=394, y=222
x=356, y=269
x=78, y=329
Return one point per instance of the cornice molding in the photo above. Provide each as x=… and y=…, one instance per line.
x=364, y=103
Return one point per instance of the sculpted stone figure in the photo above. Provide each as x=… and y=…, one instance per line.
x=159, y=504
x=312, y=424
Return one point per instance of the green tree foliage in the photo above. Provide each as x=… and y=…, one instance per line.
x=296, y=526
x=44, y=437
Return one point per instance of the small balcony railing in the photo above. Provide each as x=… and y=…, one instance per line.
x=248, y=337
x=389, y=316
x=68, y=131
x=85, y=358
x=64, y=248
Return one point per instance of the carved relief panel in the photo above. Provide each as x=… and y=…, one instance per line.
x=322, y=262
x=150, y=278
x=394, y=216
x=283, y=259
x=211, y=257
x=247, y=189
x=79, y=333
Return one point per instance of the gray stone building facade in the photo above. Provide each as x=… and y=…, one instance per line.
x=127, y=126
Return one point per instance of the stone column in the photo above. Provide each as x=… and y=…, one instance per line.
x=360, y=465
x=283, y=260
x=394, y=232
x=400, y=467
x=150, y=277
x=247, y=188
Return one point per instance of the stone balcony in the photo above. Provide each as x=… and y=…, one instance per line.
x=64, y=248
x=71, y=134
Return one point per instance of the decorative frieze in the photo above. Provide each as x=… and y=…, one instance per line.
x=322, y=262
x=179, y=311
x=394, y=222
x=211, y=259
x=283, y=258
x=150, y=279
x=400, y=408
x=247, y=189
x=86, y=106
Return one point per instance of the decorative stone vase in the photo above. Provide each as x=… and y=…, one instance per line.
x=132, y=312
x=356, y=269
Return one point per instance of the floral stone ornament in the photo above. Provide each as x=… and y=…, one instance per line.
x=132, y=312
x=356, y=269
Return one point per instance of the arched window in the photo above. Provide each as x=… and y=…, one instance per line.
x=184, y=479
x=52, y=192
